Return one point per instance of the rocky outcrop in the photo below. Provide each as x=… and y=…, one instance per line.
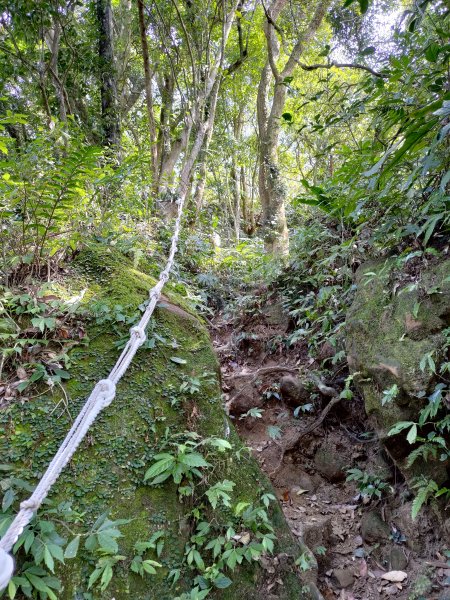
x=149, y=415
x=395, y=321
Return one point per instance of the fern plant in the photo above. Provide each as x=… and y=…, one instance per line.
x=46, y=192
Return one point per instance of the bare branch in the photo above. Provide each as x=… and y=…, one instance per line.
x=313, y=26
x=342, y=66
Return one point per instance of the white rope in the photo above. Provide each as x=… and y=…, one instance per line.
x=101, y=396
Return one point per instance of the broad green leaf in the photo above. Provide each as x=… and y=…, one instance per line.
x=178, y=360
x=72, y=548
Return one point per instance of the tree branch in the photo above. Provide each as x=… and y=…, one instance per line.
x=313, y=26
x=342, y=66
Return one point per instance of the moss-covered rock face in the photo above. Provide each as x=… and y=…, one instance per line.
x=107, y=472
x=393, y=323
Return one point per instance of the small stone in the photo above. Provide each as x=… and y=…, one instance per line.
x=397, y=559
x=293, y=391
x=395, y=576
x=391, y=590
x=373, y=528
x=326, y=351
x=330, y=464
x=345, y=577
x=307, y=483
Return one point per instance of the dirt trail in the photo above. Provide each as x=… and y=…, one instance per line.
x=357, y=542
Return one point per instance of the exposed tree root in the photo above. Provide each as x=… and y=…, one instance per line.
x=294, y=439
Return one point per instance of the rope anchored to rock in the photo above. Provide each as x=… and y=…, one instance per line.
x=101, y=396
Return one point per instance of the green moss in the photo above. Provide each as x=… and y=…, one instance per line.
x=106, y=474
x=393, y=323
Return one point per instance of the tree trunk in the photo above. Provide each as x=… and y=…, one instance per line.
x=149, y=97
x=237, y=200
x=108, y=83
x=52, y=39
x=201, y=183
x=271, y=188
x=247, y=205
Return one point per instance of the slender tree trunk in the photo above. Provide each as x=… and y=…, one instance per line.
x=271, y=188
x=149, y=97
x=201, y=183
x=52, y=38
x=237, y=199
x=108, y=83
x=247, y=208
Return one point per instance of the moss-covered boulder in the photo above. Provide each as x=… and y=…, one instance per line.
x=394, y=336
x=149, y=415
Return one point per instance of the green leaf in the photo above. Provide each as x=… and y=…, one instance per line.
x=57, y=552
x=8, y=499
x=93, y=577
x=106, y=577
x=159, y=467
x=432, y=52
x=48, y=559
x=72, y=548
x=36, y=581
x=107, y=542
x=274, y=432
x=193, y=459
x=12, y=589
x=222, y=582
x=177, y=360
x=400, y=426
x=220, y=443
x=287, y=116
x=412, y=434
x=363, y=5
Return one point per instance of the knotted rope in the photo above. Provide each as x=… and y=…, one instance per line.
x=101, y=396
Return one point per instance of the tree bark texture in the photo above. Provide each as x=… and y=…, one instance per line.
x=271, y=188
x=108, y=82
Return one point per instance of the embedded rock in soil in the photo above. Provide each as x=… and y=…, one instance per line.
x=318, y=532
x=390, y=327
x=397, y=559
x=276, y=315
x=293, y=391
x=414, y=532
x=308, y=482
x=373, y=528
x=106, y=474
x=330, y=464
x=345, y=577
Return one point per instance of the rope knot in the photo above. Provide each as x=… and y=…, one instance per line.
x=139, y=333
x=29, y=504
x=107, y=389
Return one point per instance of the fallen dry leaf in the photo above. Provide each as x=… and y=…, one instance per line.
x=21, y=373
x=395, y=576
x=363, y=568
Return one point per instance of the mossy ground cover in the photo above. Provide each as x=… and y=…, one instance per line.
x=107, y=472
x=397, y=320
